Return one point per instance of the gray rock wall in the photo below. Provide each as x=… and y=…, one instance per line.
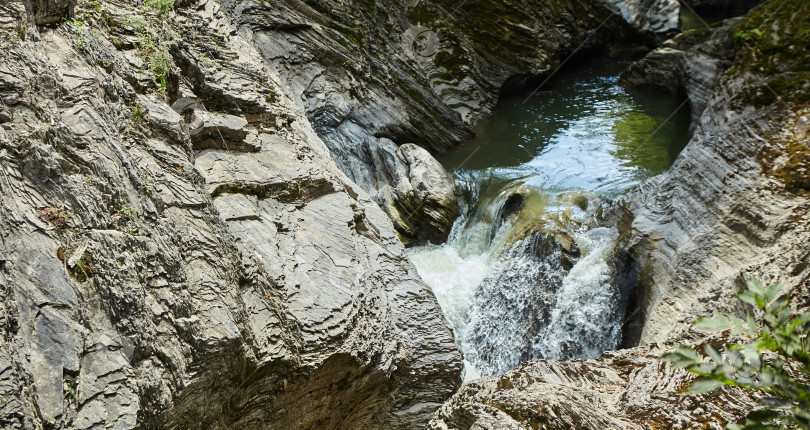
x=732, y=207
x=205, y=267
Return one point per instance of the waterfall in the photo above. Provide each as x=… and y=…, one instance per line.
x=509, y=302
x=527, y=270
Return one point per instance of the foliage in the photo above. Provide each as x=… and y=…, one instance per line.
x=147, y=187
x=748, y=35
x=161, y=6
x=154, y=50
x=207, y=61
x=777, y=344
x=81, y=34
x=137, y=113
x=127, y=212
x=10, y=42
x=70, y=392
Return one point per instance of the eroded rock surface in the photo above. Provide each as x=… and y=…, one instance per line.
x=625, y=390
x=734, y=205
x=374, y=76
x=179, y=250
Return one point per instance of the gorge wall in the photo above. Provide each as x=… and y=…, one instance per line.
x=732, y=208
x=192, y=233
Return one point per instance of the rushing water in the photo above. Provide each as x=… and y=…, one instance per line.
x=526, y=272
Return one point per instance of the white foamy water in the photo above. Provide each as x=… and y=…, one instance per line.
x=586, y=320
x=506, y=307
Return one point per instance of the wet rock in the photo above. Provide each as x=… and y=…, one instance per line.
x=424, y=201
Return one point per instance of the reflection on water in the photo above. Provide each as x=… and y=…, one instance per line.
x=525, y=274
x=585, y=131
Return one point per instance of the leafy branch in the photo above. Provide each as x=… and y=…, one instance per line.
x=777, y=343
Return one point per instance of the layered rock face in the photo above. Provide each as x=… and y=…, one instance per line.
x=624, y=390
x=733, y=207
x=178, y=249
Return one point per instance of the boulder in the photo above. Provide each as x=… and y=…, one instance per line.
x=423, y=202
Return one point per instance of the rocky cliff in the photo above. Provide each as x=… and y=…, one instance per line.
x=179, y=250
x=192, y=233
x=733, y=207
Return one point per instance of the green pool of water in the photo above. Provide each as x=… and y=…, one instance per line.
x=584, y=131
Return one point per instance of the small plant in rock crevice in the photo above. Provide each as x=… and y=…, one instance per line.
x=207, y=61
x=57, y=215
x=127, y=212
x=69, y=391
x=147, y=187
x=137, y=113
x=82, y=35
x=161, y=6
x=159, y=66
x=151, y=47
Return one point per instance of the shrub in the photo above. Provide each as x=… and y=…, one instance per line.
x=137, y=113
x=775, y=360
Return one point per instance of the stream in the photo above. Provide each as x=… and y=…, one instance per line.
x=527, y=270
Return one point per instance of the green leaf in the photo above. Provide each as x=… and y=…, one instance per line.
x=757, y=287
x=762, y=415
x=748, y=297
x=704, y=386
x=804, y=318
x=717, y=324
x=711, y=352
x=752, y=325
x=773, y=291
x=773, y=402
